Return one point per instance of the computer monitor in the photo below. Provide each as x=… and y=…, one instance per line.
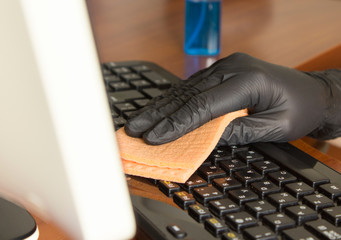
x=58, y=154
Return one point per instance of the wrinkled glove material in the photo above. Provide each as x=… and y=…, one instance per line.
x=284, y=104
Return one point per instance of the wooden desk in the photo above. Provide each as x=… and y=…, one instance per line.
x=285, y=32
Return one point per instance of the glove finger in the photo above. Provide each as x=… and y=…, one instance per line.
x=173, y=92
x=164, y=99
x=152, y=114
x=184, y=88
x=190, y=116
x=201, y=108
x=204, y=81
x=162, y=107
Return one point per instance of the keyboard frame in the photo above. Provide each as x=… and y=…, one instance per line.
x=287, y=153
x=151, y=205
x=150, y=214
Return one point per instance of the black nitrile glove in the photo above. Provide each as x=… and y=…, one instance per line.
x=284, y=104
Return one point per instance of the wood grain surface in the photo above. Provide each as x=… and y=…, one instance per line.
x=286, y=32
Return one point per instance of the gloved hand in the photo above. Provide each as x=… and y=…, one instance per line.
x=284, y=104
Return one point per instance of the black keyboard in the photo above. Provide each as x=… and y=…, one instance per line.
x=130, y=85
x=258, y=191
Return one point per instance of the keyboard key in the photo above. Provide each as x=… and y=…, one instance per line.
x=140, y=84
x=264, y=188
x=282, y=200
x=282, y=177
x=141, y=102
x=176, y=231
x=153, y=181
x=207, y=162
x=237, y=149
x=232, y=165
x=264, y=167
x=331, y=190
x=152, y=92
x=211, y=172
x=299, y=189
x=106, y=71
x=206, y=194
x=222, y=206
x=215, y=227
x=119, y=122
x=259, y=233
x=109, y=65
x=229, y=236
x=125, y=107
x=114, y=114
x=240, y=220
x=250, y=156
x=248, y=176
x=226, y=184
x=120, y=97
x=242, y=196
x=318, y=201
x=333, y=215
x=260, y=208
x=220, y=154
x=119, y=86
x=199, y=213
x=301, y=213
x=130, y=76
x=278, y=222
x=323, y=229
x=168, y=188
x=298, y=233
x=111, y=78
x=183, y=199
x=157, y=79
x=193, y=182
x=127, y=115
x=141, y=68
x=120, y=70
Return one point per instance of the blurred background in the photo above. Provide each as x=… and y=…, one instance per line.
x=301, y=34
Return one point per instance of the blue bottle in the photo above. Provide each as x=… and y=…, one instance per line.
x=202, y=27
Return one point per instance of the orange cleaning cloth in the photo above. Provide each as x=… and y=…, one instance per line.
x=175, y=161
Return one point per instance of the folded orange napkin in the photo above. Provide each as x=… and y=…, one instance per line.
x=175, y=161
